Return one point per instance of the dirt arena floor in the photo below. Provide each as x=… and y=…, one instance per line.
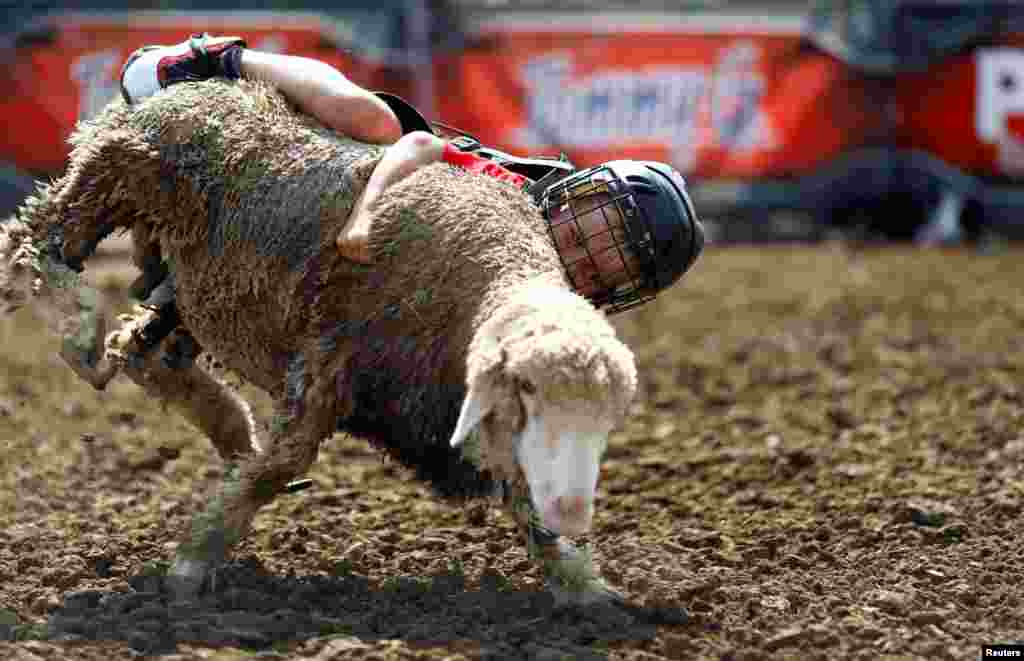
x=824, y=462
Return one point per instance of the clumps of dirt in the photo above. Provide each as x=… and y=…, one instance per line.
x=824, y=462
x=244, y=606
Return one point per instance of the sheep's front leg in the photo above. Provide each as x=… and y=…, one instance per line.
x=72, y=310
x=302, y=422
x=170, y=372
x=569, y=571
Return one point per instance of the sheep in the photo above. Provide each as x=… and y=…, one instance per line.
x=461, y=352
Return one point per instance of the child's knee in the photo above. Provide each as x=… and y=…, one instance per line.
x=388, y=129
x=423, y=147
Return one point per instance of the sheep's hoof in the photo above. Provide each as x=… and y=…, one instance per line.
x=186, y=577
x=590, y=593
x=96, y=373
x=98, y=376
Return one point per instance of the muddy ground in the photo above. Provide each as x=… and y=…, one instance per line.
x=824, y=462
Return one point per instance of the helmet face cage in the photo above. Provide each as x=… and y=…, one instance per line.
x=608, y=237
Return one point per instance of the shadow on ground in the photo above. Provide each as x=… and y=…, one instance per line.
x=247, y=607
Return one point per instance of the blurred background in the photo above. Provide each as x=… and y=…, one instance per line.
x=891, y=120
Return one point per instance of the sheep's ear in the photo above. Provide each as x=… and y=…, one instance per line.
x=479, y=400
x=477, y=404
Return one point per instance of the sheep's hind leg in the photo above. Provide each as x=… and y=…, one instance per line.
x=569, y=571
x=302, y=422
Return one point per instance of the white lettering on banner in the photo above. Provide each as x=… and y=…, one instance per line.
x=1000, y=74
x=654, y=105
x=614, y=106
x=1000, y=104
x=736, y=110
x=96, y=77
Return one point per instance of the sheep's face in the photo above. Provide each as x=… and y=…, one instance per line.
x=527, y=431
x=544, y=407
x=559, y=452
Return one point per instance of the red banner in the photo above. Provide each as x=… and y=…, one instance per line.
x=722, y=104
x=733, y=102
x=969, y=113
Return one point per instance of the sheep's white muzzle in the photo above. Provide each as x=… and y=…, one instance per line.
x=570, y=514
x=558, y=450
x=561, y=464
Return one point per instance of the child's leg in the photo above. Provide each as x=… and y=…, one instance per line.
x=317, y=88
x=412, y=151
x=322, y=91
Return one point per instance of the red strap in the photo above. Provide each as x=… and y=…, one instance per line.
x=473, y=163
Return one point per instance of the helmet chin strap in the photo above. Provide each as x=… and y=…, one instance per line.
x=540, y=186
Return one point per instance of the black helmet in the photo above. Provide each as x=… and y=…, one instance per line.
x=661, y=229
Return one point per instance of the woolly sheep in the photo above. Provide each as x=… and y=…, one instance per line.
x=461, y=352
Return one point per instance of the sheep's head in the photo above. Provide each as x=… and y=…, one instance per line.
x=548, y=381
